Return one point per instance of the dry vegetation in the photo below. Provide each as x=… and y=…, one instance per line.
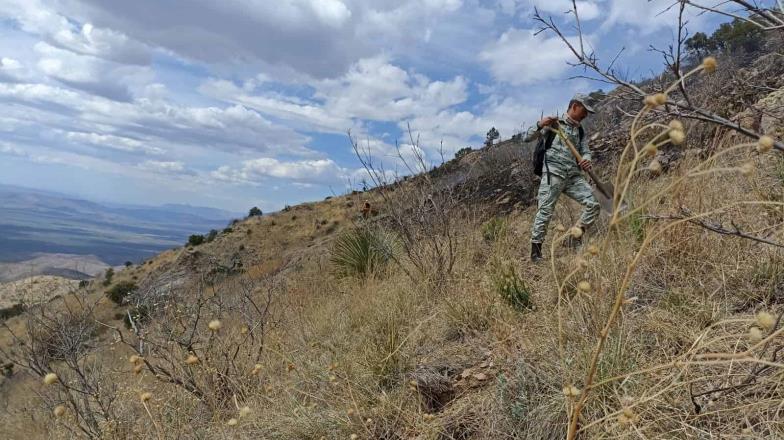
x=666, y=324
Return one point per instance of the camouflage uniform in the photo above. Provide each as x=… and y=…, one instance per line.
x=565, y=176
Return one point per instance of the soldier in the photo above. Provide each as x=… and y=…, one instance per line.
x=562, y=173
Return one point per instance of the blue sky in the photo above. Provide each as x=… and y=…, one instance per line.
x=239, y=103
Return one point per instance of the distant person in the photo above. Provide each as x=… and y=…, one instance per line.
x=561, y=173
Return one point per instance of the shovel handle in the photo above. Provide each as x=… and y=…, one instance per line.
x=599, y=184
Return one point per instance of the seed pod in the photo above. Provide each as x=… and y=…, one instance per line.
x=709, y=64
x=145, y=396
x=677, y=137
x=766, y=320
x=232, y=422
x=215, y=325
x=50, y=378
x=676, y=125
x=584, y=286
x=765, y=144
x=59, y=410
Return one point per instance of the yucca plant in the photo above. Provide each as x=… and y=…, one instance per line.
x=362, y=251
x=511, y=287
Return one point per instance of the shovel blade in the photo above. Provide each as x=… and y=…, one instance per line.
x=604, y=193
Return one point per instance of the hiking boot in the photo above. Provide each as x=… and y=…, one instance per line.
x=536, y=252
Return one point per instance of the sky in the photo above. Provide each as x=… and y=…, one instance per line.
x=240, y=103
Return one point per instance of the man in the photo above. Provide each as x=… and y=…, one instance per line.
x=562, y=173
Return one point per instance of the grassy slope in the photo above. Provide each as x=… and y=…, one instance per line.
x=393, y=357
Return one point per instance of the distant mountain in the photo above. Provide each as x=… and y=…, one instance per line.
x=34, y=222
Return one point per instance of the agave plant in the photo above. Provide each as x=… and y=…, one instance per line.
x=362, y=251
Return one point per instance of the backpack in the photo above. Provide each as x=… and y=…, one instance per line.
x=540, y=151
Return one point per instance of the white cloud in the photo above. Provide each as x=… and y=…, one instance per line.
x=319, y=171
x=163, y=167
x=114, y=142
x=11, y=70
x=521, y=57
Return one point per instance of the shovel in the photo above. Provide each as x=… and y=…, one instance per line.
x=603, y=191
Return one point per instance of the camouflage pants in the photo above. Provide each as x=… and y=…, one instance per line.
x=574, y=186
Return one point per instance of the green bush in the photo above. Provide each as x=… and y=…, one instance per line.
x=362, y=251
x=254, y=212
x=494, y=229
x=107, y=279
x=511, y=287
x=211, y=236
x=119, y=291
x=196, y=239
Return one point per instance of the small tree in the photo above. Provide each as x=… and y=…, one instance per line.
x=255, y=212
x=195, y=239
x=128, y=264
x=211, y=235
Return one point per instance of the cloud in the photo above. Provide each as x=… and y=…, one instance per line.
x=163, y=167
x=11, y=70
x=114, y=142
x=521, y=57
x=319, y=171
x=588, y=10
x=91, y=74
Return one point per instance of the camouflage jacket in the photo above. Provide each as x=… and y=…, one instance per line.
x=559, y=159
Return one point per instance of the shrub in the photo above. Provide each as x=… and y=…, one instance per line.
x=228, y=230
x=12, y=311
x=83, y=284
x=107, y=279
x=494, y=229
x=362, y=251
x=128, y=264
x=196, y=239
x=511, y=287
x=255, y=212
x=119, y=291
x=139, y=314
x=211, y=235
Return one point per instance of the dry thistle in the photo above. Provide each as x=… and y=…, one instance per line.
x=593, y=250
x=580, y=263
x=650, y=149
x=50, y=378
x=59, y=410
x=290, y=367
x=354, y=437
x=576, y=232
x=766, y=320
x=192, y=359
x=709, y=65
x=244, y=411
x=755, y=334
x=571, y=391
x=244, y=330
x=655, y=100
x=676, y=125
x=214, y=325
x=138, y=368
x=256, y=369
x=765, y=144
x=134, y=359
x=560, y=228
x=628, y=417
x=584, y=286
x=655, y=166
x=232, y=422
x=145, y=396
x=350, y=412
x=677, y=137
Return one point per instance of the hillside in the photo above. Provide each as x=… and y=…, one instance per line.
x=422, y=317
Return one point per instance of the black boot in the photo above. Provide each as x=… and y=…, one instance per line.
x=536, y=252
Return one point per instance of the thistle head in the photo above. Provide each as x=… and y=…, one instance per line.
x=59, y=410
x=676, y=125
x=765, y=144
x=709, y=64
x=755, y=334
x=192, y=359
x=214, y=325
x=584, y=286
x=766, y=320
x=145, y=396
x=244, y=411
x=677, y=137
x=655, y=100
x=576, y=231
x=655, y=166
x=50, y=378
x=232, y=422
